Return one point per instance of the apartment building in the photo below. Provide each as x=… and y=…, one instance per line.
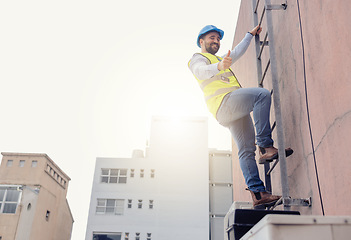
x=162, y=193
x=33, y=203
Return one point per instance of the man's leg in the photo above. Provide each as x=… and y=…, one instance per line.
x=234, y=113
x=256, y=100
x=261, y=114
x=244, y=135
x=242, y=102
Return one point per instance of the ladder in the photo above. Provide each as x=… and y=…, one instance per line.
x=268, y=40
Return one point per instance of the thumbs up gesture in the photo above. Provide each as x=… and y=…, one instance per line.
x=225, y=63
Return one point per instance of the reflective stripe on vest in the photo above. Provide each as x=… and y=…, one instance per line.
x=221, y=91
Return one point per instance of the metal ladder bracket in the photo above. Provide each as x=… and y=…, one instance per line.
x=282, y=6
x=306, y=202
x=288, y=202
x=266, y=43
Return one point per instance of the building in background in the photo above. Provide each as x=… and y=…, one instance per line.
x=33, y=203
x=164, y=194
x=221, y=190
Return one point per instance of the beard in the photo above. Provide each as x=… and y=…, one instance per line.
x=212, y=48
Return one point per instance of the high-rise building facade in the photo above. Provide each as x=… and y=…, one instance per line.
x=162, y=195
x=33, y=203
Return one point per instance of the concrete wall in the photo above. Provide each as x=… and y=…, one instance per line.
x=27, y=212
x=313, y=59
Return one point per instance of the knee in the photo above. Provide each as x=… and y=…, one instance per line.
x=265, y=94
x=247, y=153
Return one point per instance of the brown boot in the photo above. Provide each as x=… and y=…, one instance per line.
x=263, y=199
x=271, y=153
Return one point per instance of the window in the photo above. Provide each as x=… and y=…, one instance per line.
x=34, y=163
x=110, y=206
x=148, y=236
x=107, y=236
x=21, y=163
x=140, y=203
x=126, y=237
x=131, y=173
x=9, y=197
x=151, y=204
x=113, y=175
x=137, y=236
x=129, y=203
x=9, y=163
x=152, y=173
x=141, y=173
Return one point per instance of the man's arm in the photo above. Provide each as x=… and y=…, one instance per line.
x=232, y=56
x=201, y=68
x=239, y=50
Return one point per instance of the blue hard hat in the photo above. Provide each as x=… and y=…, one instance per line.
x=206, y=29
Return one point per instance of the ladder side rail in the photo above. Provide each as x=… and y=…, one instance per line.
x=277, y=107
x=257, y=42
x=255, y=3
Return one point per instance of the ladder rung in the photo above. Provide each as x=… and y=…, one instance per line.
x=264, y=43
x=267, y=179
x=258, y=1
x=262, y=15
x=265, y=72
x=273, y=126
x=273, y=166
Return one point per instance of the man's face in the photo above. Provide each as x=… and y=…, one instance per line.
x=210, y=43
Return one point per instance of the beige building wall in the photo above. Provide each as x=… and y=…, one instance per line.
x=312, y=45
x=43, y=211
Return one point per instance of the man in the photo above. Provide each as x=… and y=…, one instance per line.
x=231, y=105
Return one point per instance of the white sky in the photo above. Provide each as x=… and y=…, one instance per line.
x=82, y=79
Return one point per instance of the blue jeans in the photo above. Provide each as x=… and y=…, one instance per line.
x=234, y=113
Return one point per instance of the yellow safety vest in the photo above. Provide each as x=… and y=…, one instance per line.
x=216, y=87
